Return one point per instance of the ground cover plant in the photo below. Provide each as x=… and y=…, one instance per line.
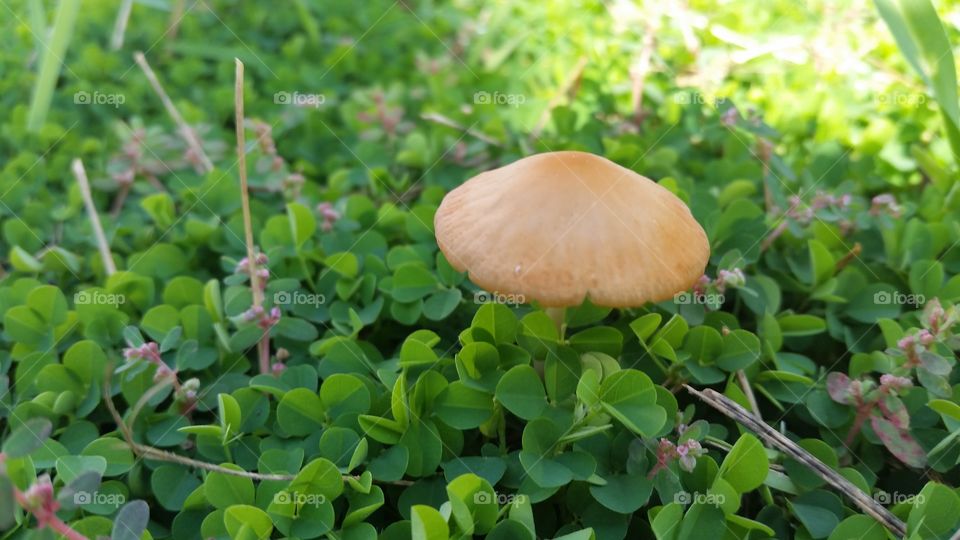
x=197, y=344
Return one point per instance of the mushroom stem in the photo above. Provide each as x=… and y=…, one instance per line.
x=558, y=314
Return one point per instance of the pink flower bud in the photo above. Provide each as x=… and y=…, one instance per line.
x=893, y=382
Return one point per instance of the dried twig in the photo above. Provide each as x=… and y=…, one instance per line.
x=777, y=440
x=244, y=191
x=263, y=346
x=849, y=256
x=567, y=92
x=81, y=174
x=120, y=198
x=189, y=135
x=450, y=123
x=149, y=452
x=748, y=391
x=642, y=69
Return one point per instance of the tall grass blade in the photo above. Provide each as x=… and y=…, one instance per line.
x=54, y=50
x=920, y=35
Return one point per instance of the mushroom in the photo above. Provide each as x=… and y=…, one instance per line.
x=561, y=227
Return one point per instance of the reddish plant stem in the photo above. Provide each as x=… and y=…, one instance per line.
x=47, y=518
x=656, y=468
x=863, y=412
x=263, y=348
x=772, y=237
x=849, y=256
x=64, y=530
x=120, y=198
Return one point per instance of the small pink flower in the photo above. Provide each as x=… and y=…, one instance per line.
x=163, y=373
x=329, y=215
x=885, y=203
x=936, y=315
x=188, y=391
x=700, y=288
x=253, y=314
x=267, y=321
x=729, y=278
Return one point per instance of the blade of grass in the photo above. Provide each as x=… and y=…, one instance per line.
x=51, y=63
x=120, y=26
x=309, y=22
x=38, y=24
x=919, y=33
x=901, y=34
x=935, y=47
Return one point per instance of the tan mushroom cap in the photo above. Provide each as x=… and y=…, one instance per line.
x=560, y=227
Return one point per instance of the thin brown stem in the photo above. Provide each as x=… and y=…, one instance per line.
x=65, y=530
x=155, y=182
x=779, y=441
x=189, y=135
x=642, y=68
x=442, y=120
x=567, y=92
x=862, y=414
x=81, y=175
x=142, y=402
x=120, y=198
x=244, y=191
x=776, y=233
x=47, y=518
x=149, y=452
x=748, y=391
x=263, y=346
x=849, y=256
